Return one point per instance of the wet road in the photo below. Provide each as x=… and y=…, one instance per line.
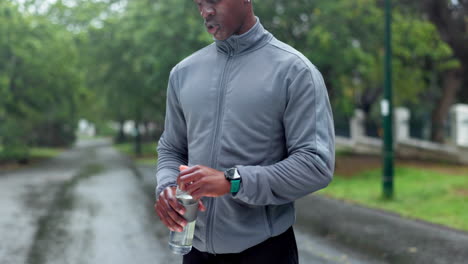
x=91, y=205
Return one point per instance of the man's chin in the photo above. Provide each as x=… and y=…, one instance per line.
x=220, y=37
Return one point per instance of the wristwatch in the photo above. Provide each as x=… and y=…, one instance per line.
x=233, y=176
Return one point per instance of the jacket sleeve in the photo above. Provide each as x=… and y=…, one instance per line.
x=310, y=142
x=172, y=146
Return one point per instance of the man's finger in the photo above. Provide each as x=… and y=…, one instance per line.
x=177, y=218
x=176, y=206
x=201, y=206
x=184, y=173
x=165, y=208
x=170, y=217
x=171, y=224
x=187, y=170
x=199, y=193
x=165, y=218
x=190, y=178
x=195, y=185
x=172, y=203
x=183, y=167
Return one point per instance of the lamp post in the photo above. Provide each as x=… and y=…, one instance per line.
x=387, y=108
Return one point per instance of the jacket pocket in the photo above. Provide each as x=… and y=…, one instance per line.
x=234, y=222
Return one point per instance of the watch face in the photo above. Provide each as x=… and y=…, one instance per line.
x=230, y=173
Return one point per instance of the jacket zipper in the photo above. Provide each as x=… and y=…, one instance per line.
x=221, y=98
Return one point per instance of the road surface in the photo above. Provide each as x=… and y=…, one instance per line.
x=92, y=205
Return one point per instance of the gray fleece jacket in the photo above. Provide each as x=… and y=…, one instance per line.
x=254, y=103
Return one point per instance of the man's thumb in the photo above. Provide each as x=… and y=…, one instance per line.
x=183, y=167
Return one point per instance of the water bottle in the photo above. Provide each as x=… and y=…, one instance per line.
x=181, y=242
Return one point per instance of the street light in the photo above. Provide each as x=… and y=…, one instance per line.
x=387, y=108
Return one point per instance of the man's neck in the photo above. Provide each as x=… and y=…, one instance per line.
x=249, y=22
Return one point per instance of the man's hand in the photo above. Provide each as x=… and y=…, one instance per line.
x=169, y=210
x=200, y=181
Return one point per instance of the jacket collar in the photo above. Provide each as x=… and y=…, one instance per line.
x=251, y=40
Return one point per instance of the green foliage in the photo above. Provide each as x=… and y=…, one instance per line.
x=110, y=59
x=14, y=141
x=345, y=40
x=136, y=49
x=135, y=52
x=39, y=82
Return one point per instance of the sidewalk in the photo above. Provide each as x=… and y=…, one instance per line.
x=382, y=234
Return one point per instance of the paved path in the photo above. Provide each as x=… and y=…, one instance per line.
x=384, y=235
x=86, y=206
x=91, y=205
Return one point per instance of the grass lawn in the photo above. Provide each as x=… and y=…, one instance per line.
x=420, y=193
x=44, y=153
x=36, y=154
x=148, y=156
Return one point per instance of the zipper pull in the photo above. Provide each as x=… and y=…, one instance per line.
x=230, y=51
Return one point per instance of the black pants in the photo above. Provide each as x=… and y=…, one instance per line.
x=281, y=249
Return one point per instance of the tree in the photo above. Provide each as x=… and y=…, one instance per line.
x=133, y=53
x=39, y=83
x=345, y=40
x=450, y=18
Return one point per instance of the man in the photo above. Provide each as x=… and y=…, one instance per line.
x=252, y=119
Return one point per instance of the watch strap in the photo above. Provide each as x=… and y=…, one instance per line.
x=232, y=175
x=235, y=185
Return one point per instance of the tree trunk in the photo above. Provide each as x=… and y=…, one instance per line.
x=450, y=20
x=121, y=135
x=451, y=83
x=147, y=134
x=367, y=100
x=137, y=139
